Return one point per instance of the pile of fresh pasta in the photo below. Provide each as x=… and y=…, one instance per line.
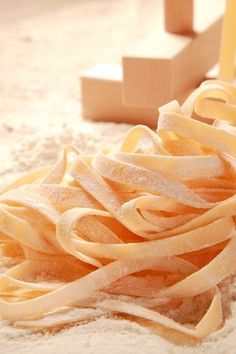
x=130, y=231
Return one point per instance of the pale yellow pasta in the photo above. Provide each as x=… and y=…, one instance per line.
x=130, y=230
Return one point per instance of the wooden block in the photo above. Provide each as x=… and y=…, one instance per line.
x=148, y=71
x=101, y=91
x=101, y=98
x=165, y=65
x=228, y=43
x=178, y=16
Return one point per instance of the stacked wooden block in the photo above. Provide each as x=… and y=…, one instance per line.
x=166, y=65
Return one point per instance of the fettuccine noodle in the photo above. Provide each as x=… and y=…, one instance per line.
x=132, y=230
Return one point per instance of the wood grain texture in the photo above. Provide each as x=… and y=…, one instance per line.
x=101, y=98
x=149, y=70
x=191, y=64
x=178, y=16
x=165, y=65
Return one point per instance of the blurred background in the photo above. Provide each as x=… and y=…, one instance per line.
x=45, y=45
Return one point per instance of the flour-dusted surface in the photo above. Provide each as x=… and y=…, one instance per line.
x=40, y=112
x=34, y=147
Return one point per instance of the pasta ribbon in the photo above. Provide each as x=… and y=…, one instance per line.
x=135, y=231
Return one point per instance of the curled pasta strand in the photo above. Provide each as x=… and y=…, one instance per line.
x=132, y=231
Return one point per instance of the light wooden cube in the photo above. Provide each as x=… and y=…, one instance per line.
x=101, y=98
x=179, y=16
x=165, y=65
x=101, y=91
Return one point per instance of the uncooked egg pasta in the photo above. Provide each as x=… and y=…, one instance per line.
x=132, y=230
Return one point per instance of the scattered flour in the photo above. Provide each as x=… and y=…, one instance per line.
x=34, y=147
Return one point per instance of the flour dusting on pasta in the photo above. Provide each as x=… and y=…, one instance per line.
x=140, y=230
